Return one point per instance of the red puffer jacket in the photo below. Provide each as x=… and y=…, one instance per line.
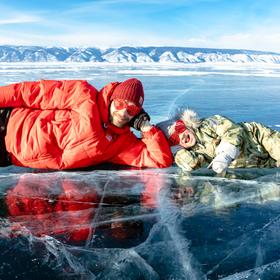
x=65, y=124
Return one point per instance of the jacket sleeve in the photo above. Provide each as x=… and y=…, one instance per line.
x=190, y=160
x=46, y=94
x=225, y=129
x=151, y=151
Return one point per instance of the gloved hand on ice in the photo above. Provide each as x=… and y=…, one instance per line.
x=225, y=154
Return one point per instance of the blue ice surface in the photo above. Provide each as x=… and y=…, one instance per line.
x=118, y=223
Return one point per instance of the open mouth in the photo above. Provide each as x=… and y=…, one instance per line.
x=187, y=138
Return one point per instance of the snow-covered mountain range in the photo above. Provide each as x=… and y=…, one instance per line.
x=134, y=55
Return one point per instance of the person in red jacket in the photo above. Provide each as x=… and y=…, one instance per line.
x=69, y=124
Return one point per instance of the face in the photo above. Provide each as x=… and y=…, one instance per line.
x=182, y=135
x=187, y=139
x=122, y=111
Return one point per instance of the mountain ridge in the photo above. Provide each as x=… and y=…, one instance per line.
x=161, y=54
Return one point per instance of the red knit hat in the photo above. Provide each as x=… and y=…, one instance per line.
x=131, y=90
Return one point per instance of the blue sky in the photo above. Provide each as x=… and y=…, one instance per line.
x=245, y=24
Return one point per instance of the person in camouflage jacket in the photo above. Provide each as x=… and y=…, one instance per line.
x=219, y=143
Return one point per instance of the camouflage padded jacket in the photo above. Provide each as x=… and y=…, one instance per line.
x=259, y=145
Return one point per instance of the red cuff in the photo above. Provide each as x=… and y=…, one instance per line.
x=151, y=132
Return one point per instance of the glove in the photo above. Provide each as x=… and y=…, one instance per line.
x=226, y=153
x=221, y=162
x=139, y=120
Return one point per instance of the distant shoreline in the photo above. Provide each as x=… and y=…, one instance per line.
x=136, y=55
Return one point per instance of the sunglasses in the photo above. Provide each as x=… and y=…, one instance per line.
x=132, y=110
x=179, y=128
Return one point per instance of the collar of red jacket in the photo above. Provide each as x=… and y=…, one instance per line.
x=104, y=101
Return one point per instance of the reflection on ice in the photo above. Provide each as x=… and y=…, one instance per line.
x=198, y=194
x=140, y=224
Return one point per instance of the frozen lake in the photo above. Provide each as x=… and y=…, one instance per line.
x=152, y=223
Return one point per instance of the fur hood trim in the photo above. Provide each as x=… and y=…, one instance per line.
x=189, y=118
